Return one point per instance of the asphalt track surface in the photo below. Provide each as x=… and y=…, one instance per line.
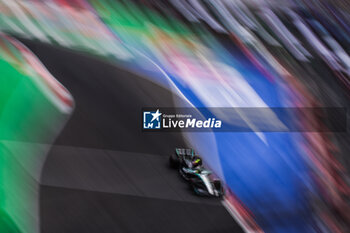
x=103, y=174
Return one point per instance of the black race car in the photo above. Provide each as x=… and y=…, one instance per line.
x=191, y=169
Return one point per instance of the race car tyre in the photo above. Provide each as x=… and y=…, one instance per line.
x=199, y=192
x=174, y=161
x=218, y=186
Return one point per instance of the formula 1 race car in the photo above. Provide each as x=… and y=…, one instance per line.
x=191, y=169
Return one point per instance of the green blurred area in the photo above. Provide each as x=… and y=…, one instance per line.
x=29, y=121
x=6, y=224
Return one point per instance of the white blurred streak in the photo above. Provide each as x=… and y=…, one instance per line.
x=254, y=43
x=76, y=18
x=17, y=11
x=340, y=52
x=9, y=25
x=314, y=41
x=204, y=15
x=63, y=18
x=249, y=20
x=179, y=4
x=232, y=23
x=288, y=39
x=36, y=9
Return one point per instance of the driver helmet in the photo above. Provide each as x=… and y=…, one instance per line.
x=196, y=162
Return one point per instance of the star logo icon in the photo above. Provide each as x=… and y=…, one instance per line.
x=156, y=115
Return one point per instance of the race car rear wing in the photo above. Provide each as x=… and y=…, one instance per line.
x=184, y=151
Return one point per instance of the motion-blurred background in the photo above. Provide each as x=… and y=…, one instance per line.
x=74, y=75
